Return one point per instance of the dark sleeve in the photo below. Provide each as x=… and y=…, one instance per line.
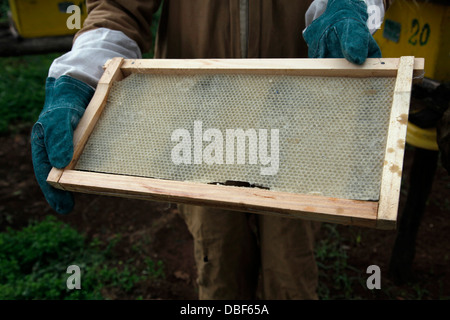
x=132, y=17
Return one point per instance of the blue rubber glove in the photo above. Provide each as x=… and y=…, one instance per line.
x=341, y=32
x=66, y=99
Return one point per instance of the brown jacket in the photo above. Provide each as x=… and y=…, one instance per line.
x=206, y=28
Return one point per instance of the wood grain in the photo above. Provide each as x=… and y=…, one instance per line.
x=351, y=212
x=395, y=146
x=373, y=67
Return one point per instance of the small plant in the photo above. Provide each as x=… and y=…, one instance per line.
x=331, y=258
x=154, y=270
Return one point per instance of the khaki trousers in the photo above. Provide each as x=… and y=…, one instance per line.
x=239, y=255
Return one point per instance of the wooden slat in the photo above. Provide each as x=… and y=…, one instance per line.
x=306, y=67
x=334, y=210
x=112, y=74
x=395, y=146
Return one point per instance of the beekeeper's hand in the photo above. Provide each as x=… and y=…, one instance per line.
x=341, y=32
x=66, y=99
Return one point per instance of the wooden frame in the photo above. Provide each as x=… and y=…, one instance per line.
x=380, y=214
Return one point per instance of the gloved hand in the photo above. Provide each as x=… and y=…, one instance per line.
x=66, y=99
x=341, y=32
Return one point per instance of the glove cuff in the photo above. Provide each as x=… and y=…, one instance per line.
x=66, y=92
x=90, y=51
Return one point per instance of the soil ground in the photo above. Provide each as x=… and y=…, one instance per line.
x=157, y=231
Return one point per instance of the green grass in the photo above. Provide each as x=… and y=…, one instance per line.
x=34, y=261
x=4, y=7
x=337, y=278
x=22, y=90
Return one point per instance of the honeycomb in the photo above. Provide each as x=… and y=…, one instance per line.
x=330, y=131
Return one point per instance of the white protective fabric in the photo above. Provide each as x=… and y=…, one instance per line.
x=89, y=53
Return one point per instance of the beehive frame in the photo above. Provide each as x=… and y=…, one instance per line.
x=381, y=214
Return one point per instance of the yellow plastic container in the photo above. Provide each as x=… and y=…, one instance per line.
x=44, y=18
x=421, y=29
